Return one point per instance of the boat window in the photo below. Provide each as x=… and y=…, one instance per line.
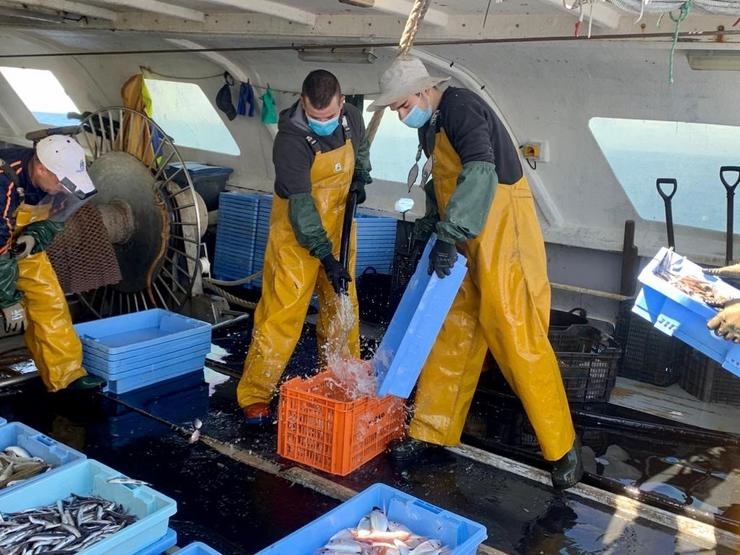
x=185, y=114
x=42, y=93
x=641, y=151
x=394, y=149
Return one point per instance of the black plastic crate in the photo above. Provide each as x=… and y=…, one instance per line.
x=648, y=355
x=578, y=338
x=708, y=381
x=589, y=377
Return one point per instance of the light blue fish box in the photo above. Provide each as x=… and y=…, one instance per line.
x=682, y=316
x=151, y=508
x=460, y=534
x=161, y=545
x=415, y=325
x=53, y=453
x=197, y=548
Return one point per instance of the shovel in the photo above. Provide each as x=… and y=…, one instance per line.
x=349, y=216
x=730, y=207
x=667, y=197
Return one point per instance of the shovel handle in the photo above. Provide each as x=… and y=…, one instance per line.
x=666, y=181
x=729, y=169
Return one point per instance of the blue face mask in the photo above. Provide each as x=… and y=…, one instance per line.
x=323, y=128
x=417, y=117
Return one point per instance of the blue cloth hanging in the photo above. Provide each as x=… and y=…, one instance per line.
x=246, y=96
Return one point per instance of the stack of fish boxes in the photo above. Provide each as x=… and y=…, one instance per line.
x=132, y=351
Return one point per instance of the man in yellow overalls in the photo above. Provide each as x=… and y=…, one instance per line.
x=479, y=204
x=40, y=188
x=320, y=155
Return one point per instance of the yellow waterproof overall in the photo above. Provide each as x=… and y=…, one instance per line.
x=503, y=306
x=291, y=274
x=50, y=337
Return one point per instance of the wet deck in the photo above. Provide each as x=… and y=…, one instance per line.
x=235, y=494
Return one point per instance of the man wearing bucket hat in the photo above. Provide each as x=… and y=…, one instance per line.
x=479, y=204
x=40, y=188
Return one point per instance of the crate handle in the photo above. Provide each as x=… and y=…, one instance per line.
x=429, y=507
x=41, y=438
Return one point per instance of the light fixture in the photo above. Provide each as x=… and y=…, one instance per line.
x=717, y=60
x=359, y=3
x=338, y=55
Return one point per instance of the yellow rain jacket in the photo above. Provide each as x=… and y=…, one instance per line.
x=484, y=206
x=292, y=270
x=50, y=336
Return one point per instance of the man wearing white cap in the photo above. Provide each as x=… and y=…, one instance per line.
x=479, y=204
x=40, y=188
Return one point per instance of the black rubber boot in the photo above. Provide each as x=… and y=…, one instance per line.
x=568, y=471
x=409, y=449
x=87, y=383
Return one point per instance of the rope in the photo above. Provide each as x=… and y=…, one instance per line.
x=413, y=24
x=684, y=13
x=230, y=283
x=228, y=296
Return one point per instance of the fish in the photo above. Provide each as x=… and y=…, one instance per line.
x=16, y=464
x=375, y=534
x=67, y=526
x=128, y=481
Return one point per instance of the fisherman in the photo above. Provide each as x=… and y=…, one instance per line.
x=727, y=321
x=40, y=188
x=479, y=204
x=320, y=155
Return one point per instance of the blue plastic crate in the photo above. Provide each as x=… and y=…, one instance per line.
x=161, y=545
x=197, y=548
x=194, y=345
x=120, y=336
x=37, y=444
x=152, y=509
x=184, y=358
x=462, y=535
x=681, y=316
x=414, y=327
x=155, y=375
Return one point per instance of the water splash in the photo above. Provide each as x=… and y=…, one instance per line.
x=355, y=377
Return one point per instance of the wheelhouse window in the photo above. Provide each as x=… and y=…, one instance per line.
x=42, y=94
x=185, y=114
x=641, y=151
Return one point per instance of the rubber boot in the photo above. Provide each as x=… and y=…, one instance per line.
x=87, y=383
x=568, y=471
x=257, y=414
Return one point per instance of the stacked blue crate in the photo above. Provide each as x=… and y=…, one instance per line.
x=263, y=229
x=244, y=226
x=236, y=235
x=133, y=351
x=376, y=239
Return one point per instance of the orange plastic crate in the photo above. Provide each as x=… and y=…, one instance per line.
x=320, y=427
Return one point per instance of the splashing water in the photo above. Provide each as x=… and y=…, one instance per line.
x=355, y=377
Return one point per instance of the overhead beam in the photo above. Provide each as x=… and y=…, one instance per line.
x=164, y=8
x=604, y=16
x=272, y=8
x=403, y=7
x=71, y=7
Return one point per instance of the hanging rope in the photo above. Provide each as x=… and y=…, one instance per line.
x=683, y=14
x=413, y=24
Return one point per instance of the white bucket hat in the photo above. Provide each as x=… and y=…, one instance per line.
x=407, y=75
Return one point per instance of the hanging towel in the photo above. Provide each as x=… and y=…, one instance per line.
x=269, y=115
x=246, y=96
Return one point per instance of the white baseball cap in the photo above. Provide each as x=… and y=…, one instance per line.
x=407, y=75
x=65, y=158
